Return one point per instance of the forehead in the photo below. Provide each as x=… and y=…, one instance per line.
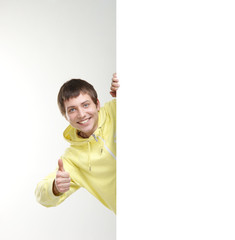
x=81, y=98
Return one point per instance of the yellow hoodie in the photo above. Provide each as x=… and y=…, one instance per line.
x=91, y=163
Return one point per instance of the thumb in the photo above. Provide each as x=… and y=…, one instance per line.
x=61, y=166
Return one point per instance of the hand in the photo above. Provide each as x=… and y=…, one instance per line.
x=114, y=85
x=62, y=180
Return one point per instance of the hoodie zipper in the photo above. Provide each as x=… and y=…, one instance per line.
x=106, y=147
x=95, y=137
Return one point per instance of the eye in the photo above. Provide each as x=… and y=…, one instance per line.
x=86, y=105
x=71, y=110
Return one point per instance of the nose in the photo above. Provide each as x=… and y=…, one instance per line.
x=81, y=114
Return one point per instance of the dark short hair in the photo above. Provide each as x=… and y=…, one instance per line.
x=72, y=89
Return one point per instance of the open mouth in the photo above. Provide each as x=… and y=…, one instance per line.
x=84, y=121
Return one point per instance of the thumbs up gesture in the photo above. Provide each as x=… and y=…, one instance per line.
x=62, y=181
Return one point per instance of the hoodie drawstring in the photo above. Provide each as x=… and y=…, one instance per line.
x=89, y=148
x=89, y=159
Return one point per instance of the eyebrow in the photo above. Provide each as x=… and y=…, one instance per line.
x=71, y=107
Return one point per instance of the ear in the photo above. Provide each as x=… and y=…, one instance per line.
x=98, y=105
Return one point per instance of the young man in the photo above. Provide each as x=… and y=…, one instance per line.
x=90, y=161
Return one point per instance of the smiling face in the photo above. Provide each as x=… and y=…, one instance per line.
x=82, y=114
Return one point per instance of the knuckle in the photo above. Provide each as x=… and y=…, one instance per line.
x=58, y=175
x=57, y=183
x=67, y=175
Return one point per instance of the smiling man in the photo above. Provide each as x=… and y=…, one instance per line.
x=90, y=161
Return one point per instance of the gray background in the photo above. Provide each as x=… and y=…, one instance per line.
x=43, y=44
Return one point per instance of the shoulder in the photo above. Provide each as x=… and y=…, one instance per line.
x=110, y=107
x=107, y=113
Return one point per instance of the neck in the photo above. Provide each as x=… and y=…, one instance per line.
x=83, y=135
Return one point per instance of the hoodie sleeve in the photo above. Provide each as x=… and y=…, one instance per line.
x=44, y=194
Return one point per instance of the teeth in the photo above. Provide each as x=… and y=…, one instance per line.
x=84, y=121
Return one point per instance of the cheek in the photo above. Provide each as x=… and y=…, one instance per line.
x=96, y=116
x=69, y=118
